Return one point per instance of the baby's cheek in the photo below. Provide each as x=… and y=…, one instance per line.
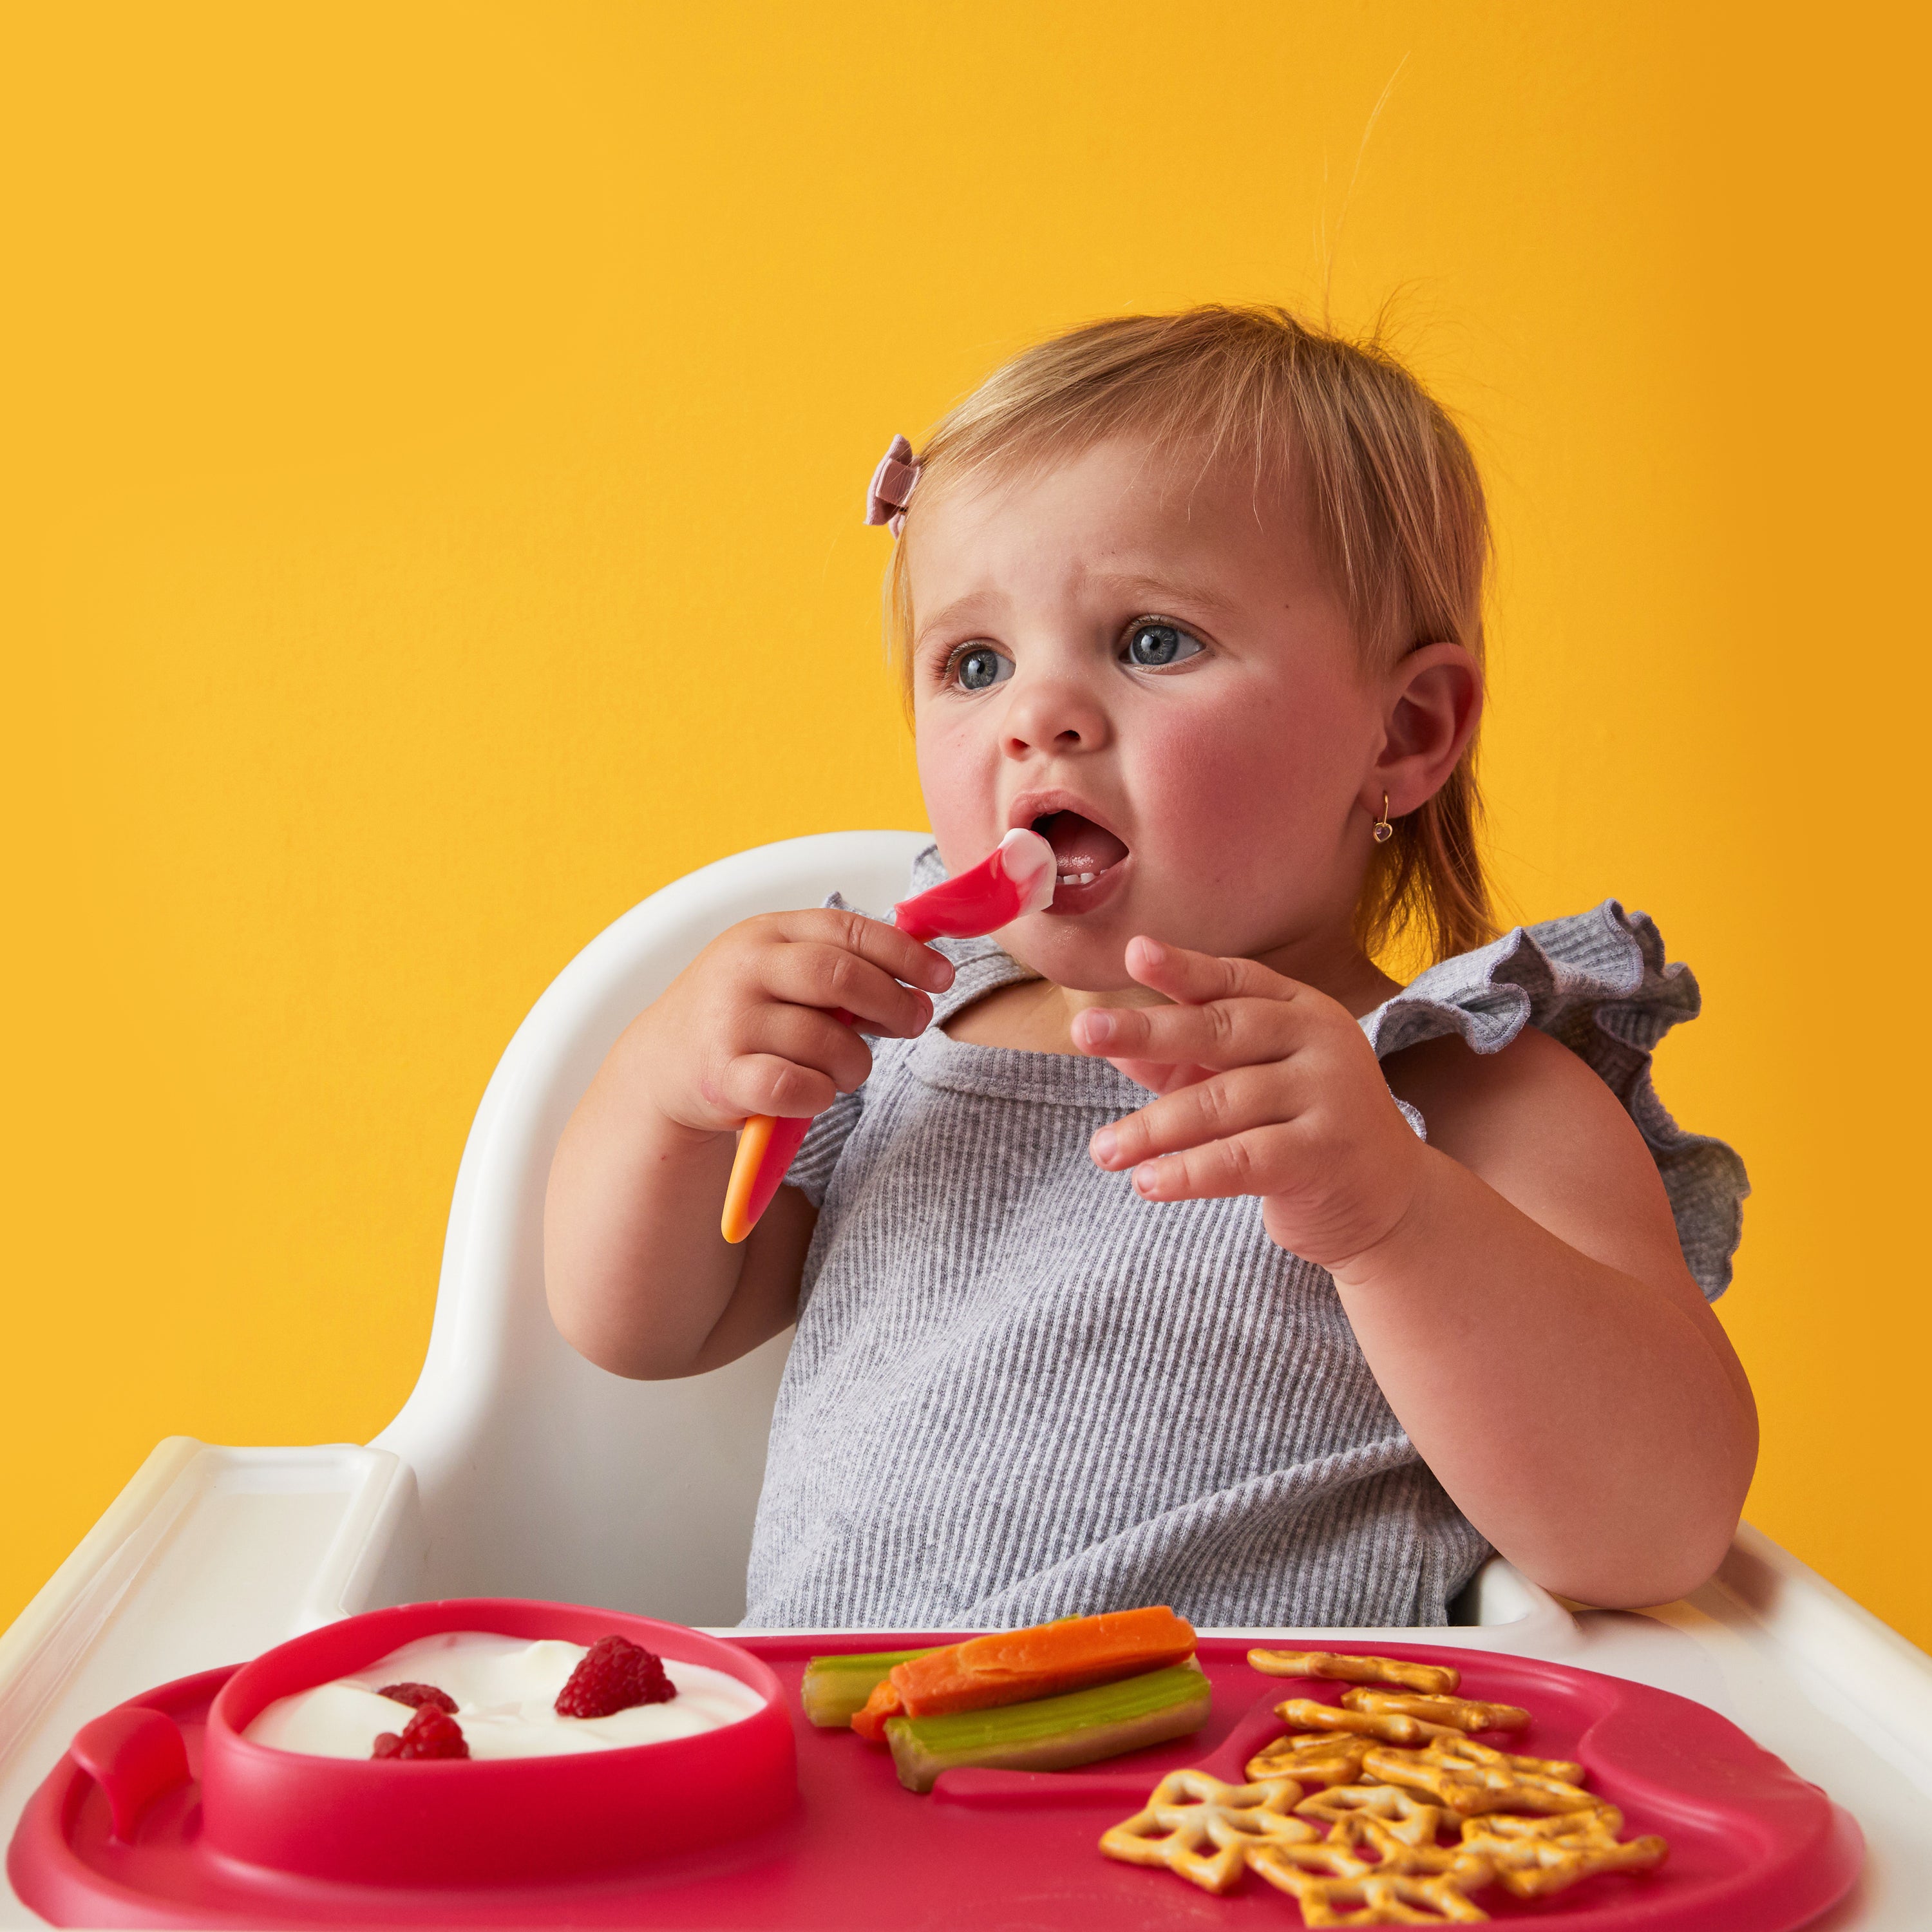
x=1215, y=791
x=1244, y=829
x=958, y=789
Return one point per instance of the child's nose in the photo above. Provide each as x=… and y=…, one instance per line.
x=1055, y=715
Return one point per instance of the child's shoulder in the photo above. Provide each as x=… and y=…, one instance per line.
x=1529, y=1060
x=1531, y=1098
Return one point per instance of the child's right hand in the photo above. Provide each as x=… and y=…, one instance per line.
x=638, y=1277
x=749, y=1027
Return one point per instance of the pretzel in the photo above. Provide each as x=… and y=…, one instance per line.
x=1381, y=1897
x=1321, y=1757
x=1338, y=1855
x=1466, y=1787
x=1468, y=1750
x=1600, y=1826
x=1388, y=1778
x=1401, y=1816
x=1466, y=1866
x=1533, y=1867
x=1188, y=1810
x=1463, y=1714
x=1430, y=1677
x=1390, y=1727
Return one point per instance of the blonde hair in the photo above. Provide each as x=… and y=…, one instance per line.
x=1398, y=503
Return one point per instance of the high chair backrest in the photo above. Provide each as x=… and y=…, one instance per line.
x=537, y=1474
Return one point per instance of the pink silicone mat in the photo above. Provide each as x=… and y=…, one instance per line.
x=1754, y=1847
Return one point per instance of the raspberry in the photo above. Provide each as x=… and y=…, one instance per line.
x=430, y=1733
x=614, y=1674
x=418, y=1695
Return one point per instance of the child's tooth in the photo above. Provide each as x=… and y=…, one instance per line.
x=1086, y=878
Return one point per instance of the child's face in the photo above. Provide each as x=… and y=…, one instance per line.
x=1152, y=667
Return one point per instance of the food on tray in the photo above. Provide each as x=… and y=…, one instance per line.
x=1467, y=1784
x=1348, y=1814
x=1325, y=1757
x=1042, y=1699
x=431, y=1731
x=1053, y=1733
x=835, y=1689
x=1532, y=1865
x=1371, y=1897
x=1436, y=1679
x=1465, y=1713
x=1015, y=1666
x=417, y=1695
x=1307, y=1714
x=1400, y=1814
x=613, y=1675
x=1189, y=1811
x=502, y=1695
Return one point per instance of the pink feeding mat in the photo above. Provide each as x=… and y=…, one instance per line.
x=1753, y=1848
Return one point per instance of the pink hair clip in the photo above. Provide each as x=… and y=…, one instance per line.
x=893, y=483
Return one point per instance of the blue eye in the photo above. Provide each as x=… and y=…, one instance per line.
x=979, y=666
x=1150, y=646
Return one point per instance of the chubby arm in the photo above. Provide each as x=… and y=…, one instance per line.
x=1539, y=1223
x=638, y=1276
x=639, y=1280
x=1517, y=1285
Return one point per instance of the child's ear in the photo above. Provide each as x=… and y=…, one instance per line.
x=1434, y=700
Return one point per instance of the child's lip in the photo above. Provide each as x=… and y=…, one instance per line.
x=1031, y=806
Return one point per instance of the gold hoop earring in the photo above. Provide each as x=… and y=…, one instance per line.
x=1384, y=831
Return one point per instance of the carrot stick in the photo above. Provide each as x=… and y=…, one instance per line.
x=869, y=1721
x=1047, y=1661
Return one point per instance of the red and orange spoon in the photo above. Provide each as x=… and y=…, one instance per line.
x=1015, y=878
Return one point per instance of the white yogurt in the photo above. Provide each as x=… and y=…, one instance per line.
x=505, y=1692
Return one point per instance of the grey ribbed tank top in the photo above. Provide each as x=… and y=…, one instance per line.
x=1018, y=1391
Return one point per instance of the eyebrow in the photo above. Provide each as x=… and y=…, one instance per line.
x=1132, y=585
x=970, y=608
x=1154, y=588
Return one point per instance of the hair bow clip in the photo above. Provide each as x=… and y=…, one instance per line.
x=893, y=483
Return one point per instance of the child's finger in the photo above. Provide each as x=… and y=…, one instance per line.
x=1194, y=978
x=808, y=974
x=806, y=1038
x=1228, y=1104
x=1255, y=1163
x=1159, y=1076
x=1224, y=1033
x=903, y=957
x=764, y=1083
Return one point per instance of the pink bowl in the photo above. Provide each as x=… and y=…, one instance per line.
x=386, y=1821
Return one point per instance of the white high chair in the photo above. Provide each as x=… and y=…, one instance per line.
x=516, y=1469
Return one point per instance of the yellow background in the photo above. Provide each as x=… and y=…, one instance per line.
x=434, y=442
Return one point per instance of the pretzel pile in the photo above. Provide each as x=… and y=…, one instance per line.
x=1346, y=1813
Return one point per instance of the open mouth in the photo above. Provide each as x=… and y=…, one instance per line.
x=1083, y=855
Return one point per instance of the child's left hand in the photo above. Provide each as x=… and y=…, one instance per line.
x=1267, y=1087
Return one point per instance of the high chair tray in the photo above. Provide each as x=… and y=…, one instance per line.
x=1754, y=1847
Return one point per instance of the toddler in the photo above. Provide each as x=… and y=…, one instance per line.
x=1161, y=1248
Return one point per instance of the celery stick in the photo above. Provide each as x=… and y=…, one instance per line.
x=1053, y=1733
x=834, y=1687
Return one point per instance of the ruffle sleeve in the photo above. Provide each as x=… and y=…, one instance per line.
x=1599, y=983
